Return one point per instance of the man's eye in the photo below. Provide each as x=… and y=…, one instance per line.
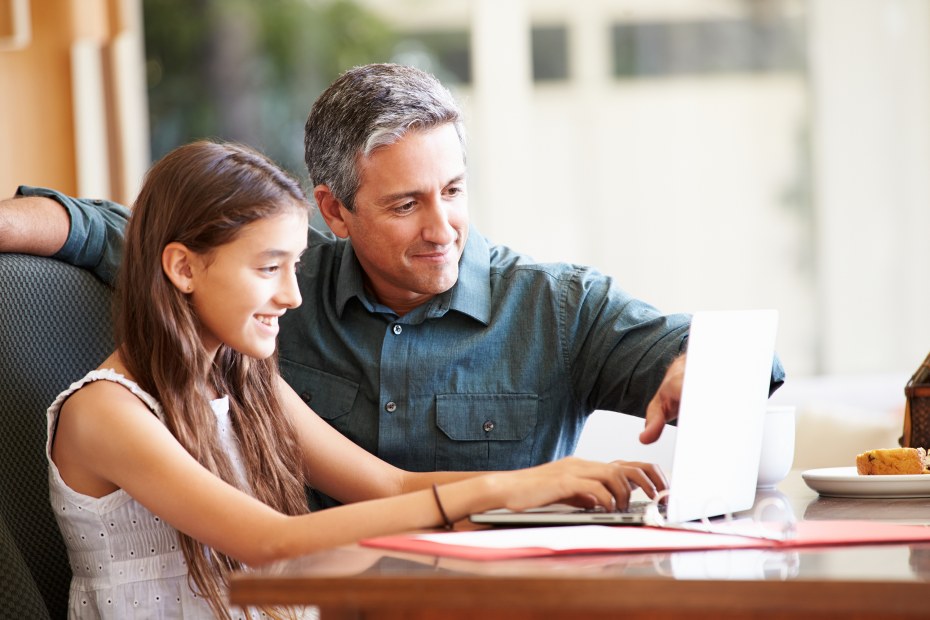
x=405, y=208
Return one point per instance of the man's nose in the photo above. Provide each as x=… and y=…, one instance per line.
x=436, y=227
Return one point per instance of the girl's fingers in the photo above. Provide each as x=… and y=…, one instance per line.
x=588, y=483
x=648, y=477
x=612, y=481
x=620, y=486
x=606, y=497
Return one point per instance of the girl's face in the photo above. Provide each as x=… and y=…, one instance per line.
x=241, y=289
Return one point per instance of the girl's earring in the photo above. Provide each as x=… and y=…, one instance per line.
x=190, y=288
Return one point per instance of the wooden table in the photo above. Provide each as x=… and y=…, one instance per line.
x=875, y=582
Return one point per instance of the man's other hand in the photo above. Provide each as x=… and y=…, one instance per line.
x=663, y=407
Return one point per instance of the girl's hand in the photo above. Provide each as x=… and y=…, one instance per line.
x=582, y=483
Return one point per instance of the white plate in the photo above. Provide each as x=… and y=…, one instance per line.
x=845, y=482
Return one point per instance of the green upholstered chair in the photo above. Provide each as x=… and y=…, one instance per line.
x=55, y=326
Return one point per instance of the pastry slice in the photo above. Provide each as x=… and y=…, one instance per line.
x=892, y=461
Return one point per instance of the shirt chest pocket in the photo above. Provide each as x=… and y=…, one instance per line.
x=485, y=431
x=331, y=397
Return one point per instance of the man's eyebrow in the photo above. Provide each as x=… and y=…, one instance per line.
x=456, y=179
x=389, y=198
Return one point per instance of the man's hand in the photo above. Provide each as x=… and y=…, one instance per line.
x=664, y=405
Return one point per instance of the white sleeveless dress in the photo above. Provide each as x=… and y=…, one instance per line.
x=125, y=561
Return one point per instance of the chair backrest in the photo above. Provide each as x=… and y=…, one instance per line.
x=55, y=326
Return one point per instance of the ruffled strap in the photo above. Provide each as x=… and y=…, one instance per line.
x=108, y=374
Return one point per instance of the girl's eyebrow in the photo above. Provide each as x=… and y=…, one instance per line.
x=272, y=253
x=276, y=253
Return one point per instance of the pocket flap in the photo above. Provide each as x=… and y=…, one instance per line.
x=328, y=395
x=486, y=417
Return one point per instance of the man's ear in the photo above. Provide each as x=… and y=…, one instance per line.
x=332, y=210
x=176, y=262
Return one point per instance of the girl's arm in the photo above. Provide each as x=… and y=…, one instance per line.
x=107, y=439
x=343, y=470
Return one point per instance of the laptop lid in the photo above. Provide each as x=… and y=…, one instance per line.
x=726, y=385
x=719, y=433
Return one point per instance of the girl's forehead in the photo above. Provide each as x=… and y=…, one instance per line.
x=286, y=230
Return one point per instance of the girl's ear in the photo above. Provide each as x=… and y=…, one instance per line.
x=176, y=260
x=331, y=210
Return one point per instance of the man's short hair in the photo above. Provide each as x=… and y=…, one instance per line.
x=369, y=107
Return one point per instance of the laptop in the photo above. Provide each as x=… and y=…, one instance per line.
x=719, y=433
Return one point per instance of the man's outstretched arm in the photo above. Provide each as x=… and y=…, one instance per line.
x=33, y=225
x=84, y=232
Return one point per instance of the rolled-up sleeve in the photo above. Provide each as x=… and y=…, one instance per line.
x=95, y=238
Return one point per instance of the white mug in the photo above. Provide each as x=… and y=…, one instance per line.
x=777, y=445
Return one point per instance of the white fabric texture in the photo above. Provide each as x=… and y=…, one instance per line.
x=125, y=561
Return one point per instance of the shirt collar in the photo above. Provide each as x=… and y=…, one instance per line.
x=471, y=294
x=350, y=282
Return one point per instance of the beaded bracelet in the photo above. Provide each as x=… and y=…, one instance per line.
x=445, y=518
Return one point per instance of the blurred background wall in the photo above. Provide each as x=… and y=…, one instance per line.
x=73, y=109
x=707, y=153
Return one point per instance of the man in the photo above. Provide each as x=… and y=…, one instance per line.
x=417, y=338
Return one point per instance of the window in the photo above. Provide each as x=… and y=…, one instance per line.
x=702, y=47
x=550, y=53
x=446, y=54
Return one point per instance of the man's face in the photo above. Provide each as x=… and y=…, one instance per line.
x=410, y=221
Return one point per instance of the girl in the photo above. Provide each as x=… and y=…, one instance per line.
x=185, y=456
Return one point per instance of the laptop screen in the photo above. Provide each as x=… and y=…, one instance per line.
x=723, y=400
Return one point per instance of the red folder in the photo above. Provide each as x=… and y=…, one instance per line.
x=501, y=544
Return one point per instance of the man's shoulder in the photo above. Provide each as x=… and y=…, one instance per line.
x=505, y=262
x=324, y=253
x=320, y=239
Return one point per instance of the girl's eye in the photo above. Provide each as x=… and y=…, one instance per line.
x=270, y=269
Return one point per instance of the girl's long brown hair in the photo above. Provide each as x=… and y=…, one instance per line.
x=202, y=195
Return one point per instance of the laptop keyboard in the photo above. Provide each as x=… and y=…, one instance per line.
x=636, y=507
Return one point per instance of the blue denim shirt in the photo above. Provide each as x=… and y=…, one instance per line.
x=499, y=372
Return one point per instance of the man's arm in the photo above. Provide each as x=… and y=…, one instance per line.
x=627, y=356
x=33, y=225
x=83, y=232
x=663, y=408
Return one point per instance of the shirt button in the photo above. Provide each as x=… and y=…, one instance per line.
x=390, y=407
x=397, y=329
x=306, y=397
x=488, y=426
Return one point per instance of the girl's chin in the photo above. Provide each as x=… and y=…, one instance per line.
x=256, y=352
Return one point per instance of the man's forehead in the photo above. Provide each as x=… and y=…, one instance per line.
x=418, y=159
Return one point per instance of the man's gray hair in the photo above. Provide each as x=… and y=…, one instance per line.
x=369, y=107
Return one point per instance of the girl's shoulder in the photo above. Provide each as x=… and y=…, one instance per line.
x=105, y=389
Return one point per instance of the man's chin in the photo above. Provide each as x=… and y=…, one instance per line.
x=440, y=283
